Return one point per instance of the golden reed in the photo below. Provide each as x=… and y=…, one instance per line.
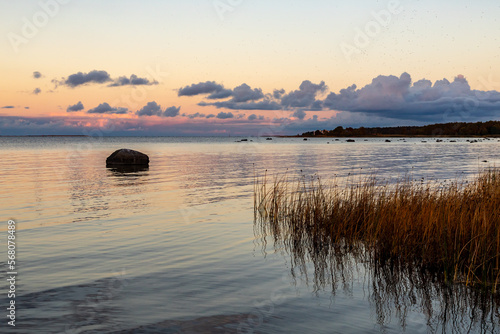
x=451, y=232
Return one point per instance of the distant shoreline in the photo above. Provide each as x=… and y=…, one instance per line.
x=391, y=136
x=44, y=136
x=455, y=130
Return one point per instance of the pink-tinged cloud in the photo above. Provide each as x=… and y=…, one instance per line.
x=389, y=97
x=111, y=125
x=397, y=98
x=386, y=101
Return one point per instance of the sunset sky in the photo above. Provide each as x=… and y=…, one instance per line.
x=236, y=67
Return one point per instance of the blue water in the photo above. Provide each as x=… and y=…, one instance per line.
x=173, y=249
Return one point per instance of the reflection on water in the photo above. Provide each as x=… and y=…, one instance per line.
x=128, y=170
x=447, y=307
x=217, y=324
x=395, y=289
x=212, y=178
x=182, y=231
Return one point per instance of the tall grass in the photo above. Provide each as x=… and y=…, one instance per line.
x=451, y=232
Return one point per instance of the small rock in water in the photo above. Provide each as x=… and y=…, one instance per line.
x=387, y=141
x=127, y=157
x=350, y=140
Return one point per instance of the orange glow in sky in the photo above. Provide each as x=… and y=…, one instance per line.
x=126, y=54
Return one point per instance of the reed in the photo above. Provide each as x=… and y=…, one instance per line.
x=450, y=232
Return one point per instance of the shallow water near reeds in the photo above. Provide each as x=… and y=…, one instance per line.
x=174, y=248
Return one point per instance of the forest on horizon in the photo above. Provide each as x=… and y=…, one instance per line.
x=458, y=129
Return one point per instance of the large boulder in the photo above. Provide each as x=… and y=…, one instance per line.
x=126, y=157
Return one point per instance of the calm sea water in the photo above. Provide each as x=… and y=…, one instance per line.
x=173, y=248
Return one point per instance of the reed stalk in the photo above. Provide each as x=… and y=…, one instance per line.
x=450, y=230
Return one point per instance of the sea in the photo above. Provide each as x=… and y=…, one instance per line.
x=174, y=248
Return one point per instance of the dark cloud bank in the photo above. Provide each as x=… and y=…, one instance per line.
x=386, y=97
x=393, y=97
x=386, y=101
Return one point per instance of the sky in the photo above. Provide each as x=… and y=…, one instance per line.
x=241, y=67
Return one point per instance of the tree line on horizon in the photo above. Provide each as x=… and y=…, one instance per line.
x=446, y=129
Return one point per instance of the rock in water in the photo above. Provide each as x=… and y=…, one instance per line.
x=126, y=157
